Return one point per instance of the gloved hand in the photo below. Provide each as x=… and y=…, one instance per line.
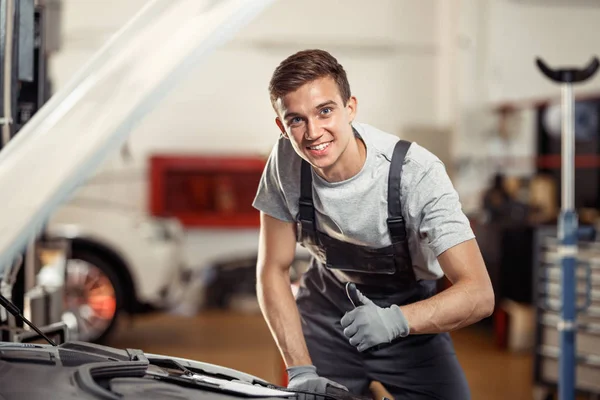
x=369, y=325
x=305, y=377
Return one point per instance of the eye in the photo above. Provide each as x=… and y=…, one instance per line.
x=295, y=120
x=326, y=110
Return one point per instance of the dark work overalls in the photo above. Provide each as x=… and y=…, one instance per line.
x=414, y=367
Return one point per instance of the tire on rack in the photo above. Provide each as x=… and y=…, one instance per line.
x=93, y=294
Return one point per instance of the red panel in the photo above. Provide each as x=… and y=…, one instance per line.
x=205, y=191
x=580, y=160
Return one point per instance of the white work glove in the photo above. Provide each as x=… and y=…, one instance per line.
x=305, y=377
x=369, y=325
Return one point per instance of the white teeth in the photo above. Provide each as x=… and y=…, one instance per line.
x=319, y=147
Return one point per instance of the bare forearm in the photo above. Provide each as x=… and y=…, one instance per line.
x=456, y=307
x=281, y=313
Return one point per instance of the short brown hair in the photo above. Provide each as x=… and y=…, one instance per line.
x=304, y=67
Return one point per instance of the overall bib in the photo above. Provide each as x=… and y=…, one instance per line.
x=414, y=367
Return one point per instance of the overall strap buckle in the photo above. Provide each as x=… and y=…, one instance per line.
x=397, y=228
x=306, y=213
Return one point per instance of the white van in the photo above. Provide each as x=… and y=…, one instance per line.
x=123, y=263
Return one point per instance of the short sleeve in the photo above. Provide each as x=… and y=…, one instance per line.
x=270, y=197
x=436, y=211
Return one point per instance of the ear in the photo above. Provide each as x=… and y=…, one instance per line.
x=351, y=107
x=281, y=127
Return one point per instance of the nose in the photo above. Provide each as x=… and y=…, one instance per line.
x=312, y=130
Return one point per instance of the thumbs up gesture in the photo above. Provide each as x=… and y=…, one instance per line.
x=369, y=325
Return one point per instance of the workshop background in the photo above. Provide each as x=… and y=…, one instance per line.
x=457, y=76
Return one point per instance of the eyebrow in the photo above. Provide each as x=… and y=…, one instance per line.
x=326, y=103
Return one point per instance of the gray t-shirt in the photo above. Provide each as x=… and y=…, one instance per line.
x=355, y=210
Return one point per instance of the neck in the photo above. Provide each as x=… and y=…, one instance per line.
x=349, y=164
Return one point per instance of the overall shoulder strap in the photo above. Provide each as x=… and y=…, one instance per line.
x=306, y=206
x=395, y=221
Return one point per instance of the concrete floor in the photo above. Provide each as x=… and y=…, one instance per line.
x=243, y=342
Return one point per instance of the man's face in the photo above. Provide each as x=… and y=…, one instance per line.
x=317, y=122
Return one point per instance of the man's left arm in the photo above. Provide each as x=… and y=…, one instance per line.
x=468, y=300
x=434, y=210
x=434, y=207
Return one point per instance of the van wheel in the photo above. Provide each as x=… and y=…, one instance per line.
x=93, y=293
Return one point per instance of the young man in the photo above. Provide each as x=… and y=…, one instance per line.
x=375, y=211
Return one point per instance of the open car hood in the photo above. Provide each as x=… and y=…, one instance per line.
x=81, y=370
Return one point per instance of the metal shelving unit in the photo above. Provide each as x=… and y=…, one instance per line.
x=547, y=292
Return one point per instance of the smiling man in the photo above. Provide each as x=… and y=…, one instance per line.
x=379, y=215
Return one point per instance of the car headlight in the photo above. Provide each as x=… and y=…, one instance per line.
x=52, y=259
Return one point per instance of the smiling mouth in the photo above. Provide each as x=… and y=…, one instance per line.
x=319, y=147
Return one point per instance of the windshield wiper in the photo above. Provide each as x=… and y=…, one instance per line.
x=14, y=310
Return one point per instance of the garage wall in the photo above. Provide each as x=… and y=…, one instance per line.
x=560, y=35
